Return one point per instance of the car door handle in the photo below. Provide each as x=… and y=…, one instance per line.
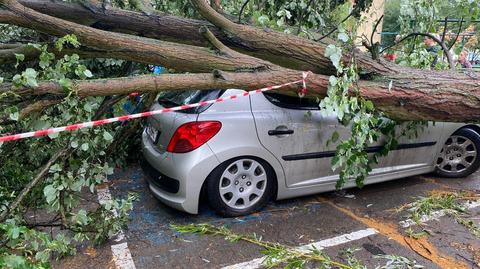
x=280, y=132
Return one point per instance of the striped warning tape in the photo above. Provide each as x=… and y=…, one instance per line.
x=146, y=114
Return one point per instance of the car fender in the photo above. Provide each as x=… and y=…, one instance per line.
x=255, y=151
x=238, y=135
x=451, y=127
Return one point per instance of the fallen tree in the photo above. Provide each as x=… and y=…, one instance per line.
x=403, y=93
x=422, y=98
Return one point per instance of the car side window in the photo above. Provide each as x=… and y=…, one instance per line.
x=292, y=102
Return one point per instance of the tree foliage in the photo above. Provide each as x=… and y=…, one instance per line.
x=60, y=194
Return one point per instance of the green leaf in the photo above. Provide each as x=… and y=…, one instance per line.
x=74, y=144
x=84, y=146
x=14, y=261
x=40, y=124
x=88, y=73
x=87, y=107
x=335, y=136
x=343, y=37
x=30, y=73
x=65, y=83
x=14, y=116
x=82, y=217
x=19, y=57
x=50, y=193
x=14, y=233
x=280, y=22
x=45, y=59
x=110, y=171
x=335, y=54
x=263, y=20
x=67, y=39
x=333, y=81
x=42, y=256
x=35, y=46
x=77, y=185
x=74, y=58
x=369, y=105
x=28, y=78
x=55, y=168
x=31, y=82
x=107, y=136
x=54, y=135
x=17, y=80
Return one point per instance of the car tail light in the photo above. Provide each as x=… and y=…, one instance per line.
x=192, y=135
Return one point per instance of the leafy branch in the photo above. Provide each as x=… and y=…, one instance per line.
x=288, y=257
x=68, y=165
x=275, y=253
x=452, y=203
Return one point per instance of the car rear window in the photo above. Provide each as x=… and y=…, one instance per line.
x=178, y=98
x=292, y=102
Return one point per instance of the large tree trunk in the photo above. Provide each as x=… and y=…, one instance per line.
x=442, y=99
x=274, y=58
x=282, y=49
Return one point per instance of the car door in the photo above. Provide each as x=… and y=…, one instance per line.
x=417, y=148
x=295, y=131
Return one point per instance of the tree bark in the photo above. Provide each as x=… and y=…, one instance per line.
x=163, y=27
x=8, y=51
x=442, y=99
x=282, y=49
x=175, y=82
x=132, y=48
x=298, y=53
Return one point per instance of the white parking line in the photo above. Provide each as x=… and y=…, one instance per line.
x=122, y=256
x=436, y=215
x=335, y=241
x=121, y=253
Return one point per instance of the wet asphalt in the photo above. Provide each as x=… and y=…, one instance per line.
x=294, y=222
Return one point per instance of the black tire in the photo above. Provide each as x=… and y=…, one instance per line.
x=473, y=161
x=221, y=207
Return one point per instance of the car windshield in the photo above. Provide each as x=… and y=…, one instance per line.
x=178, y=98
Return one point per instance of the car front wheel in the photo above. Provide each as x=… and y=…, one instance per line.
x=240, y=186
x=460, y=155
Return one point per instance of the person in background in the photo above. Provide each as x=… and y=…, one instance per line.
x=156, y=70
x=463, y=59
x=392, y=57
x=432, y=48
x=134, y=101
x=398, y=38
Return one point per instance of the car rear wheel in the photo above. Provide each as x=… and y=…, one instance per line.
x=460, y=155
x=240, y=186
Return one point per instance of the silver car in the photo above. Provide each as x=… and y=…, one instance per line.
x=242, y=153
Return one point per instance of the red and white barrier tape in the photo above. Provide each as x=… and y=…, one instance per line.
x=146, y=114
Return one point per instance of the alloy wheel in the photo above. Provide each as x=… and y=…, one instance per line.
x=243, y=183
x=457, y=155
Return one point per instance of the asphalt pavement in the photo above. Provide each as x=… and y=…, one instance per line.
x=361, y=219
